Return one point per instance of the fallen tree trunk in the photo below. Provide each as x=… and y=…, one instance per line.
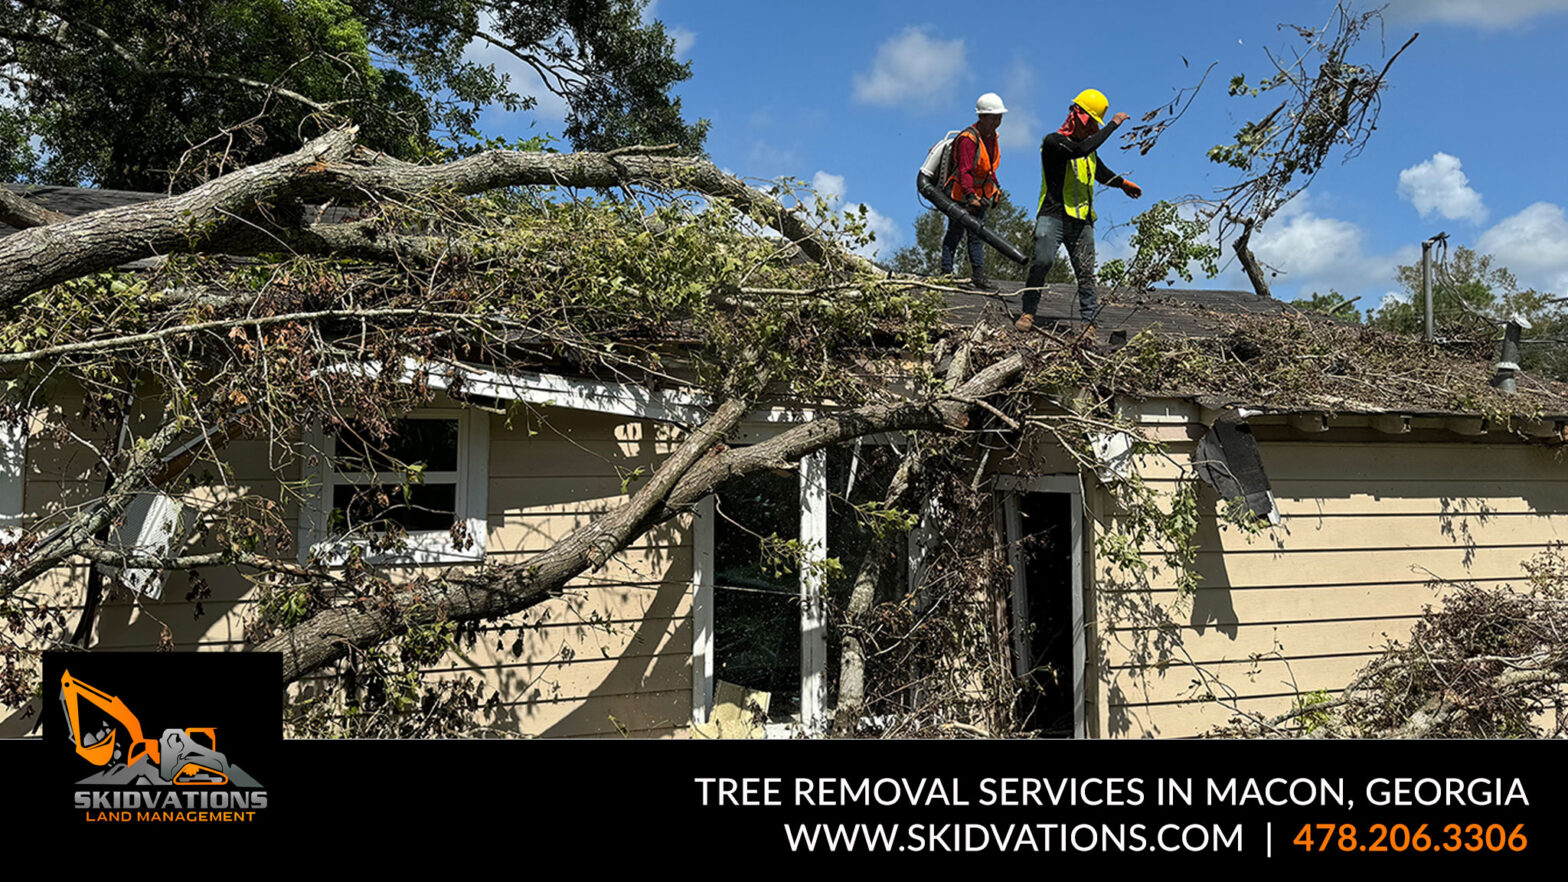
x=201, y=220
x=697, y=466
x=235, y=214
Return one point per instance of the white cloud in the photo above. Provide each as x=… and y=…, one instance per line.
x=1392, y=297
x=685, y=39
x=1438, y=186
x=889, y=236
x=912, y=69
x=1484, y=14
x=1316, y=253
x=1534, y=245
x=1308, y=245
x=832, y=188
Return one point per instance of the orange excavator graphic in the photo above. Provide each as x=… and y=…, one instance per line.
x=177, y=758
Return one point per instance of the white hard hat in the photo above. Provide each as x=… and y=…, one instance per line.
x=990, y=102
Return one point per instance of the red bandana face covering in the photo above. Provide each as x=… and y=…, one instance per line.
x=1078, y=119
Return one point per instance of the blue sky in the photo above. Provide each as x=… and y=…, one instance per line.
x=850, y=95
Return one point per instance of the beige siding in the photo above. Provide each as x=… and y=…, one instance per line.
x=610, y=658
x=1367, y=526
x=614, y=657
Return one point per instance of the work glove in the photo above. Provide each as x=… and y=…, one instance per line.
x=973, y=201
x=1131, y=189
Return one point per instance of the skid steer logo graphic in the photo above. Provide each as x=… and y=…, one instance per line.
x=179, y=758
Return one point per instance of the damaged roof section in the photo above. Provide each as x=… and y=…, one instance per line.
x=1188, y=313
x=1227, y=459
x=1233, y=349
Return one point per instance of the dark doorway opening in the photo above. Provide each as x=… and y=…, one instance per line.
x=1046, y=615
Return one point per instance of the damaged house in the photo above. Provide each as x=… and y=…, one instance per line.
x=1219, y=506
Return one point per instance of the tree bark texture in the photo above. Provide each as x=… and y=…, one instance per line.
x=232, y=214
x=697, y=466
x=1249, y=262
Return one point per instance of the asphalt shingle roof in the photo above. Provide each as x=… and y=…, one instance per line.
x=1185, y=312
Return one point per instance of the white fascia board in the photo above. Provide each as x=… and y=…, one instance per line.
x=624, y=399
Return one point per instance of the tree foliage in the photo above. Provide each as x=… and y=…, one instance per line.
x=1325, y=99
x=216, y=84
x=1333, y=304
x=1472, y=295
x=1164, y=244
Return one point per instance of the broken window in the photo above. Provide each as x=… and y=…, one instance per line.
x=756, y=609
x=858, y=481
x=407, y=480
x=1045, y=532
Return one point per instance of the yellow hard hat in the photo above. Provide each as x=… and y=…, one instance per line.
x=1093, y=101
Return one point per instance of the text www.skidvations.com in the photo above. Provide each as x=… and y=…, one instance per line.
x=1013, y=837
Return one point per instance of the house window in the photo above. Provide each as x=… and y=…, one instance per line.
x=416, y=495
x=13, y=454
x=764, y=624
x=757, y=593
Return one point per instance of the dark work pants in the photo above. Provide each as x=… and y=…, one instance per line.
x=956, y=231
x=1051, y=233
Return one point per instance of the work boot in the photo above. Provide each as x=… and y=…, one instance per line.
x=981, y=283
x=1088, y=333
x=1025, y=322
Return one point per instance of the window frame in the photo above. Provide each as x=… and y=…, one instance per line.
x=423, y=547
x=1071, y=485
x=815, y=711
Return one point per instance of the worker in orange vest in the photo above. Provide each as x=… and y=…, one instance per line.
x=972, y=184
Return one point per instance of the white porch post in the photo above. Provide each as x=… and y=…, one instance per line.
x=813, y=611
x=702, y=580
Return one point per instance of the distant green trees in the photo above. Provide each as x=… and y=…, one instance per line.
x=1469, y=291
x=1011, y=221
x=132, y=94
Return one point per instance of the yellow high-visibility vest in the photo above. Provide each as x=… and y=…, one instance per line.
x=1077, y=189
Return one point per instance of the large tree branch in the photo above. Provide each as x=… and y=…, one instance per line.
x=693, y=471
x=222, y=215
x=511, y=168
x=22, y=214
x=197, y=221
x=143, y=461
x=329, y=634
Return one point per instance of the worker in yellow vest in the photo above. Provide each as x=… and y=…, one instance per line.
x=1070, y=168
x=972, y=184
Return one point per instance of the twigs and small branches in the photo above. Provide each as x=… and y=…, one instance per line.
x=1484, y=662
x=1323, y=99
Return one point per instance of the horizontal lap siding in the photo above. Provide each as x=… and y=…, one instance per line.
x=1366, y=529
x=611, y=657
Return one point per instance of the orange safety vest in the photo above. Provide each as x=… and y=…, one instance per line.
x=984, y=170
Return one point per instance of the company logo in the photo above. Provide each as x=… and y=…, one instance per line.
x=178, y=758
x=185, y=775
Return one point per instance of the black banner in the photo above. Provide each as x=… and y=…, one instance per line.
x=672, y=803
